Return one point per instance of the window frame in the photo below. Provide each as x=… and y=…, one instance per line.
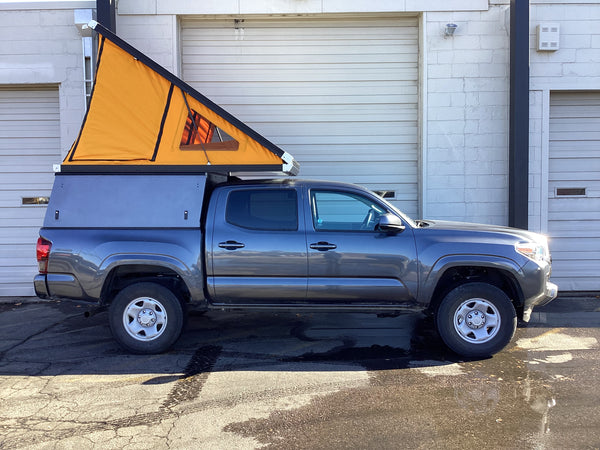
x=297, y=197
x=356, y=195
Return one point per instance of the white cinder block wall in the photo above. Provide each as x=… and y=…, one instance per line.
x=575, y=66
x=43, y=47
x=467, y=99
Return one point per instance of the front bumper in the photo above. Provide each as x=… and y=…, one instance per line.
x=548, y=293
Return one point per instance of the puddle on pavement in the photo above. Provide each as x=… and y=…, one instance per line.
x=418, y=399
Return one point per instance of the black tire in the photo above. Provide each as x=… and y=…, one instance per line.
x=146, y=318
x=476, y=320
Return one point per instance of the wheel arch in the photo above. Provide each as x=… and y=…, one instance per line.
x=125, y=273
x=448, y=275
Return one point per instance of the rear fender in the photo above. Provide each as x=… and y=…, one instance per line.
x=192, y=277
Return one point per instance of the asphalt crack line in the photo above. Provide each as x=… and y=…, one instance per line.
x=28, y=338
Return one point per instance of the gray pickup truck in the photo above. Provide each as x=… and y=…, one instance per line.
x=148, y=245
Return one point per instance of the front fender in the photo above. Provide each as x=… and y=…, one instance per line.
x=432, y=275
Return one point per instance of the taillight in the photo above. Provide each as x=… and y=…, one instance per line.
x=42, y=253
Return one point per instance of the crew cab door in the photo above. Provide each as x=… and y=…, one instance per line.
x=349, y=260
x=256, y=246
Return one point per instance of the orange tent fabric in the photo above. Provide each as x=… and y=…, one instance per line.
x=141, y=114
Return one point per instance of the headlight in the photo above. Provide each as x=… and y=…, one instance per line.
x=534, y=250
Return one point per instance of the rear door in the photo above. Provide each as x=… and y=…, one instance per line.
x=257, y=252
x=349, y=261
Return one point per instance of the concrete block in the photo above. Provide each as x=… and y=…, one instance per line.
x=579, y=41
x=465, y=70
x=450, y=153
x=458, y=99
x=439, y=70
x=585, y=55
x=472, y=56
x=447, y=168
x=471, y=127
x=280, y=7
x=487, y=126
x=59, y=17
x=440, y=99
x=485, y=194
x=501, y=56
x=447, y=113
x=494, y=98
x=580, y=69
x=546, y=70
x=494, y=70
x=136, y=7
x=446, y=194
x=446, y=210
x=446, y=140
x=342, y=6
x=466, y=42
x=446, y=181
x=446, y=85
x=495, y=42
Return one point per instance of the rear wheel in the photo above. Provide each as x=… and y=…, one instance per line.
x=476, y=320
x=146, y=318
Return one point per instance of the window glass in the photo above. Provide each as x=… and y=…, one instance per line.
x=201, y=134
x=342, y=211
x=263, y=209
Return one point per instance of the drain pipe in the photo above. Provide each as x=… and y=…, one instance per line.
x=518, y=142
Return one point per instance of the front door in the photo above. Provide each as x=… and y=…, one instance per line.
x=349, y=260
x=258, y=247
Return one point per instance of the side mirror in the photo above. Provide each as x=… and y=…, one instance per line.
x=390, y=224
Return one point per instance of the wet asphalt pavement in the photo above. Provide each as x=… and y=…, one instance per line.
x=297, y=381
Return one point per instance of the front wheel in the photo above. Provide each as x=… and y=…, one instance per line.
x=146, y=318
x=476, y=320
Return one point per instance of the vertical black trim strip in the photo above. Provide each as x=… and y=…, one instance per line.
x=72, y=152
x=162, y=122
x=518, y=134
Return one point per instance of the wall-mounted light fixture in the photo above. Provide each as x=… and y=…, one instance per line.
x=450, y=29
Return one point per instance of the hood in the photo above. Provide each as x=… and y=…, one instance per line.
x=517, y=233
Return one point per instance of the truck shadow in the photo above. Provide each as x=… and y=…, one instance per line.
x=67, y=342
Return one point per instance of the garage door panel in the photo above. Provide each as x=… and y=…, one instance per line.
x=574, y=165
x=20, y=147
x=305, y=75
x=331, y=92
x=574, y=221
x=568, y=244
x=29, y=145
x=343, y=129
x=256, y=90
x=373, y=141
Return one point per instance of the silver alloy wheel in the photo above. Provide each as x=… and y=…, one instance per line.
x=145, y=319
x=477, y=320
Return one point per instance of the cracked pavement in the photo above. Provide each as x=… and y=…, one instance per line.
x=296, y=381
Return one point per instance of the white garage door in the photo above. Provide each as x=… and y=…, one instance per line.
x=29, y=145
x=574, y=190
x=339, y=95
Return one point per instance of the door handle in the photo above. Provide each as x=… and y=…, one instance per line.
x=323, y=246
x=231, y=245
